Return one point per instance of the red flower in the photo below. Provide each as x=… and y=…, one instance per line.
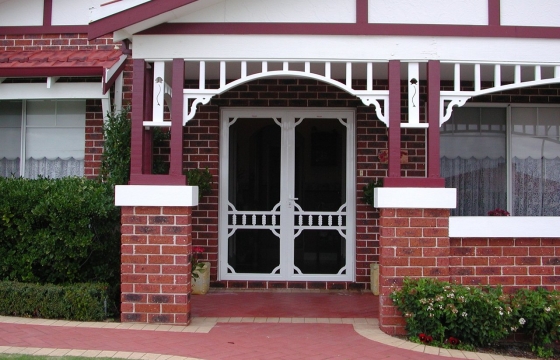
x=453, y=341
x=426, y=339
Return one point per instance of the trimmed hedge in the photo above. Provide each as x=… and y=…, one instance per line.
x=58, y=231
x=82, y=302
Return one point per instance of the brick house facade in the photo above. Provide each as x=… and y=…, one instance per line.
x=409, y=232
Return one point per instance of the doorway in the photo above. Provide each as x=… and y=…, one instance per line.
x=287, y=195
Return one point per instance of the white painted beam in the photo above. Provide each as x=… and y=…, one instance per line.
x=504, y=226
x=57, y=91
x=415, y=198
x=156, y=195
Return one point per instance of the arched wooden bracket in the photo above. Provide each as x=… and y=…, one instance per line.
x=447, y=102
x=374, y=100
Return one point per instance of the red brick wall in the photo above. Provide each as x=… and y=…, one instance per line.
x=156, y=250
x=512, y=263
x=414, y=243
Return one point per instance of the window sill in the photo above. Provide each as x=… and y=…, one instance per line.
x=504, y=226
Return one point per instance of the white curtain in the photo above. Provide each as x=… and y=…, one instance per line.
x=53, y=168
x=536, y=186
x=480, y=184
x=9, y=167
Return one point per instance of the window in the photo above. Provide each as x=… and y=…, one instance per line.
x=43, y=137
x=503, y=157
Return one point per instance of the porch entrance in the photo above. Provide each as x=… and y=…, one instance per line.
x=287, y=199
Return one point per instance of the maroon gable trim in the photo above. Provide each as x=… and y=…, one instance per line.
x=133, y=16
x=355, y=29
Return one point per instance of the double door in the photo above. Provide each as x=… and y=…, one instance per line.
x=287, y=195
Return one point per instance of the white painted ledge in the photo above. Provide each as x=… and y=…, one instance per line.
x=415, y=198
x=504, y=226
x=156, y=195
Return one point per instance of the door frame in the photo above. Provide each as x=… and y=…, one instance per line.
x=245, y=112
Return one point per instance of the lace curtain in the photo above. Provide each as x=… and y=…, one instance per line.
x=51, y=168
x=536, y=187
x=481, y=185
x=9, y=167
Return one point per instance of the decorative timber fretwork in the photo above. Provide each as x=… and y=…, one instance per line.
x=506, y=76
x=321, y=71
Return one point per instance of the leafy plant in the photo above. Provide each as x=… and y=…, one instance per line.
x=202, y=179
x=58, y=231
x=369, y=191
x=442, y=310
x=115, y=164
x=83, y=302
x=452, y=314
x=540, y=311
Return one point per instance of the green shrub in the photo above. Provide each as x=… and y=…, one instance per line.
x=58, y=231
x=369, y=189
x=540, y=318
x=202, y=179
x=115, y=164
x=82, y=302
x=442, y=310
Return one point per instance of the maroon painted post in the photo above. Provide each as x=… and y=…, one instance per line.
x=138, y=104
x=394, y=119
x=433, y=119
x=178, y=82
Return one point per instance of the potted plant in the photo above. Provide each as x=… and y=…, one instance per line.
x=200, y=279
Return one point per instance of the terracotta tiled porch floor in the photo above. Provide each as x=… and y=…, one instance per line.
x=232, y=325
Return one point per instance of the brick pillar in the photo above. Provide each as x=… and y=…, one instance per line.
x=156, y=246
x=413, y=243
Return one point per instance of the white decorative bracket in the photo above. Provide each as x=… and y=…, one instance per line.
x=414, y=96
x=447, y=102
x=374, y=99
x=198, y=98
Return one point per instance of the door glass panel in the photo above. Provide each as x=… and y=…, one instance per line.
x=320, y=187
x=254, y=191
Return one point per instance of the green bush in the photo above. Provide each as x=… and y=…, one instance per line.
x=443, y=310
x=539, y=312
x=451, y=313
x=115, y=164
x=82, y=302
x=58, y=231
x=202, y=179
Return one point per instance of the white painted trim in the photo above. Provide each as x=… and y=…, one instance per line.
x=345, y=48
x=504, y=226
x=57, y=91
x=415, y=198
x=156, y=195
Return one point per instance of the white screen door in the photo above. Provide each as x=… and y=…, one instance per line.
x=287, y=195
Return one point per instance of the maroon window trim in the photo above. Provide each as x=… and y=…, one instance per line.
x=133, y=16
